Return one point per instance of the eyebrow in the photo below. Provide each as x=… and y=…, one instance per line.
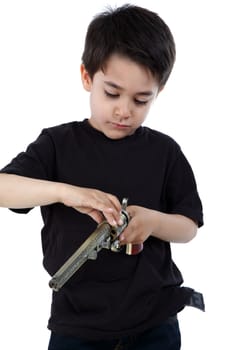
x=115, y=86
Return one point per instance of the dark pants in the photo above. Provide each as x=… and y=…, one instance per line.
x=164, y=337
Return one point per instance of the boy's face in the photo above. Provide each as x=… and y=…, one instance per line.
x=120, y=96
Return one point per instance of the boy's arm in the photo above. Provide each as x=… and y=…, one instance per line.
x=19, y=192
x=174, y=228
x=167, y=227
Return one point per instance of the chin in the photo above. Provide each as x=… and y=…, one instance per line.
x=116, y=135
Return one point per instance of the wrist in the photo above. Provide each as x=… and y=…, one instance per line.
x=156, y=222
x=61, y=192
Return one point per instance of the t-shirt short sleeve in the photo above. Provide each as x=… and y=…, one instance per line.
x=181, y=191
x=36, y=162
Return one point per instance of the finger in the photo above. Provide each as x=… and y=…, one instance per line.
x=96, y=215
x=130, y=235
x=104, y=213
x=125, y=240
x=115, y=202
x=117, y=212
x=100, y=201
x=111, y=219
x=110, y=207
x=99, y=217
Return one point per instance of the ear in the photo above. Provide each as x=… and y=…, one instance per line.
x=86, y=79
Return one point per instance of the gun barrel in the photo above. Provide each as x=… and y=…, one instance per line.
x=85, y=252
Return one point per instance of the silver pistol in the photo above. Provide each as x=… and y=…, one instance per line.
x=105, y=236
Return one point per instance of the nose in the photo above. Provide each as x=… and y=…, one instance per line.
x=123, y=109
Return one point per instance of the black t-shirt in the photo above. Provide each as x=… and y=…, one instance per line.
x=116, y=294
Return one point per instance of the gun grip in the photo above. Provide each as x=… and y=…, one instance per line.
x=134, y=249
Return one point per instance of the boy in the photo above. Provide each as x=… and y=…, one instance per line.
x=87, y=167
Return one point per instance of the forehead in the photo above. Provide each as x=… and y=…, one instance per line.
x=127, y=74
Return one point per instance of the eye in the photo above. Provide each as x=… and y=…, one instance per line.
x=108, y=94
x=140, y=103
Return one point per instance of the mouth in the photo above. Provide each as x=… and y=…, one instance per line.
x=120, y=126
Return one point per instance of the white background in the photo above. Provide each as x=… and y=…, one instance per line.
x=41, y=43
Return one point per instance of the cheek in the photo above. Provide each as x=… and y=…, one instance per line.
x=147, y=109
x=142, y=113
x=98, y=105
x=94, y=103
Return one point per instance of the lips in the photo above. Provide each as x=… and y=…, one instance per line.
x=120, y=126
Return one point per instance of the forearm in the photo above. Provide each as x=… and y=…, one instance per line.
x=167, y=227
x=22, y=192
x=173, y=228
x=18, y=192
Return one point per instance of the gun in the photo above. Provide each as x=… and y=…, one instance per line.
x=105, y=236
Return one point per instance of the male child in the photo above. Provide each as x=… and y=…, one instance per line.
x=117, y=301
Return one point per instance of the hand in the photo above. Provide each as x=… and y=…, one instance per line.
x=167, y=227
x=140, y=226
x=97, y=204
